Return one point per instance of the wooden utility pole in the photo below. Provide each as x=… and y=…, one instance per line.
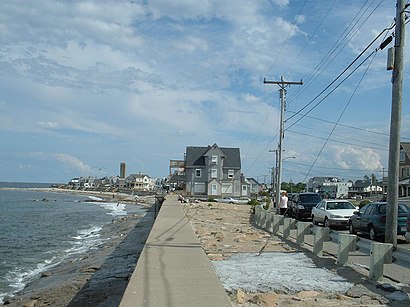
x=395, y=123
x=282, y=92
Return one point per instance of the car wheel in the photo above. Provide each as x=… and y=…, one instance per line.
x=351, y=229
x=326, y=222
x=314, y=221
x=372, y=233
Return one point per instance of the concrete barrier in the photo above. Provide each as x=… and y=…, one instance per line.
x=277, y=221
x=286, y=227
x=303, y=228
x=380, y=253
x=346, y=244
x=269, y=221
x=321, y=235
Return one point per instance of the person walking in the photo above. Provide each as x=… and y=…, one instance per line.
x=283, y=203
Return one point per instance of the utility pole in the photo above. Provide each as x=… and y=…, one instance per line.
x=395, y=123
x=282, y=92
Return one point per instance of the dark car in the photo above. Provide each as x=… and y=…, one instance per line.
x=371, y=219
x=302, y=204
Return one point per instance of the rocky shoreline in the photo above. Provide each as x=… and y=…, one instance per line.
x=100, y=276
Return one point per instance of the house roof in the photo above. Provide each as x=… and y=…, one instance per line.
x=195, y=156
x=406, y=147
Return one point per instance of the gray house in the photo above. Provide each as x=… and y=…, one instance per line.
x=213, y=171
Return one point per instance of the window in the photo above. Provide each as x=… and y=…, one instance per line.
x=214, y=159
x=244, y=188
x=197, y=173
x=231, y=173
x=405, y=172
x=214, y=173
x=402, y=155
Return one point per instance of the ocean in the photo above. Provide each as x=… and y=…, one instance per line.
x=39, y=230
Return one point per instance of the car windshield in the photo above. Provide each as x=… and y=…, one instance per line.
x=340, y=205
x=310, y=198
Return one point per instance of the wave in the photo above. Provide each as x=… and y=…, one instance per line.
x=84, y=241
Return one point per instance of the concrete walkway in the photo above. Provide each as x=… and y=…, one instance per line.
x=173, y=269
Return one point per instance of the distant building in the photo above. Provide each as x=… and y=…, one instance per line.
x=330, y=187
x=365, y=189
x=213, y=171
x=122, y=170
x=139, y=182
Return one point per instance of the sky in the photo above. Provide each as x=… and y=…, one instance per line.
x=86, y=85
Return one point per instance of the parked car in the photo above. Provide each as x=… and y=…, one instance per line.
x=371, y=220
x=302, y=204
x=407, y=234
x=333, y=212
x=244, y=200
x=227, y=199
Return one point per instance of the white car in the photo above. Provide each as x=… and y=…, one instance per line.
x=333, y=212
x=227, y=199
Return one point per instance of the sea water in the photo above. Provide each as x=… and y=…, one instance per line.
x=39, y=230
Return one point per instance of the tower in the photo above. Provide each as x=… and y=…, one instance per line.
x=122, y=169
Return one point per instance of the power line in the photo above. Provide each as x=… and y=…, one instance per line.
x=336, y=141
x=346, y=36
x=340, y=117
x=327, y=95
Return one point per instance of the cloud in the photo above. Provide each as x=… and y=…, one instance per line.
x=73, y=162
x=49, y=125
x=348, y=157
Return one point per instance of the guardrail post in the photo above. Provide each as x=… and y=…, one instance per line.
x=302, y=230
x=286, y=227
x=263, y=219
x=346, y=244
x=277, y=220
x=321, y=235
x=257, y=214
x=379, y=253
x=269, y=221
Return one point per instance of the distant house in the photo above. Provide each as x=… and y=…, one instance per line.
x=254, y=188
x=330, y=186
x=74, y=183
x=139, y=182
x=365, y=189
x=213, y=171
x=404, y=169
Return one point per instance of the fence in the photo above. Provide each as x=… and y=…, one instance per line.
x=380, y=253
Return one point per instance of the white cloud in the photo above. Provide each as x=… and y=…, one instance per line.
x=73, y=162
x=348, y=157
x=281, y=3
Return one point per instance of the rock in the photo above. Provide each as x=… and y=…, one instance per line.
x=45, y=274
x=31, y=303
x=388, y=287
x=398, y=296
x=215, y=257
x=266, y=299
x=240, y=296
x=307, y=294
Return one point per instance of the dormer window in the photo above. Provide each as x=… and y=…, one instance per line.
x=214, y=159
x=231, y=173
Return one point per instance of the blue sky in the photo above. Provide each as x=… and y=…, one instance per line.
x=85, y=85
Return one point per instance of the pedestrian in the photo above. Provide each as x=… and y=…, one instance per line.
x=283, y=203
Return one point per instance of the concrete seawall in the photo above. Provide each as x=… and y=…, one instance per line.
x=173, y=269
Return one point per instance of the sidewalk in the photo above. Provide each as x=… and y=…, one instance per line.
x=173, y=269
